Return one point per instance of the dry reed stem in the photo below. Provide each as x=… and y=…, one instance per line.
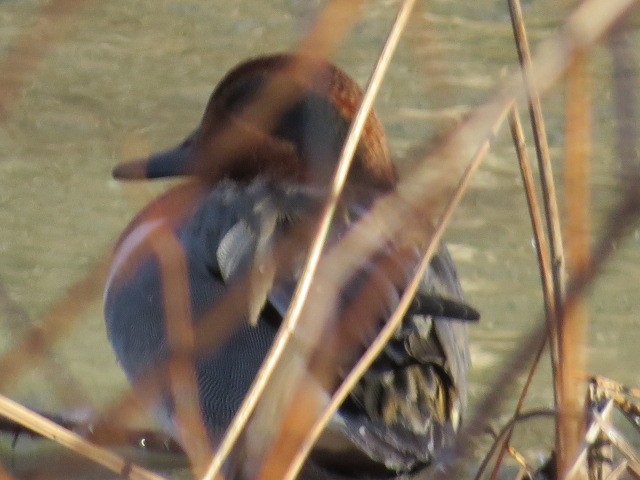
x=390, y=214
x=618, y=471
x=591, y=435
x=16, y=319
x=542, y=253
x=333, y=23
x=229, y=142
x=620, y=443
x=54, y=324
x=573, y=325
x=525, y=469
x=212, y=329
x=59, y=318
x=340, y=177
x=590, y=21
x=622, y=219
x=73, y=441
x=601, y=19
x=405, y=301
x=541, y=245
x=304, y=284
x=548, y=190
x=542, y=152
x=625, y=100
x=4, y=475
x=107, y=430
x=502, y=436
x=54, y=20
x=180, y=342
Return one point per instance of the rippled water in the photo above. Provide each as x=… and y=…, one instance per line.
x=131, y=77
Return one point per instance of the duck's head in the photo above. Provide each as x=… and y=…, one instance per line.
x=282, y=117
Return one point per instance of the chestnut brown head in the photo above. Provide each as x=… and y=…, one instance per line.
x=282, y=117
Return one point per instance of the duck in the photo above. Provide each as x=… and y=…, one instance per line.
x=228, y=245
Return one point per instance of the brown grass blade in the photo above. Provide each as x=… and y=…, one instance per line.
x=393, y=322
x=54, y=20
x=180, y=341
x=304, y=284
x=625, y=99
x=619, y=441
x=542, y=253
x=622, y=219
x=54, y=324
x=573, y=325
x=73, y=441
x=393, y=214
x=542, y=151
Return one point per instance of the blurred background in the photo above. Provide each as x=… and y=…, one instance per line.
x=87, y=84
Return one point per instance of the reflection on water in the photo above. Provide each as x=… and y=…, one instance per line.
x=130, y=77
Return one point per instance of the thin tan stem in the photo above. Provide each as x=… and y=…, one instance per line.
x=619, y=441
x=573, y=324
x=405, y=301
x=625, y=67
x=548, y=189
x=73, y=441
x=293, y=314
x=501, y=437
x=4, y=475
x=541, y=245
x=590, y=437
x=542, y=149
x=181, y=371
x=53, y=21
x=583, y=28
x=623, y=219
x=542, y=252
x=54, y=324
x=617, y=472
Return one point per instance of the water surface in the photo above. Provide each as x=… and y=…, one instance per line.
x=133, y=77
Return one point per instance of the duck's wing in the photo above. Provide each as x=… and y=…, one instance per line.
x=246, y=235
x=409, y=403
